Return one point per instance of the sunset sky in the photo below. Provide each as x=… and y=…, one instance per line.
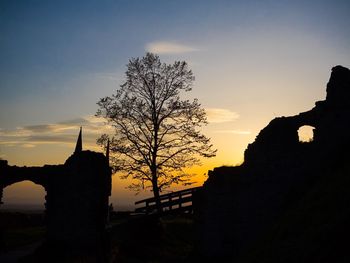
x=253, y=61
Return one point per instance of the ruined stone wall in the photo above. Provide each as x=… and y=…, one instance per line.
x=76, y=197
x=240, y=205
x=77, y=200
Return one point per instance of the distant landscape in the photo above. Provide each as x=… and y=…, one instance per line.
x=22, y=207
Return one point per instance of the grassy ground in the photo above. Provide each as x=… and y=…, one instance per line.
x=19, y=237
x=132, y=240
x=170, y=239
x=20, y=229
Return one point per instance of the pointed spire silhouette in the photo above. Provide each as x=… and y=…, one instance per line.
x=79, y=145
x=107, y=151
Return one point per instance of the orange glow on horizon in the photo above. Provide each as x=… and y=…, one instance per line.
x=230, y=152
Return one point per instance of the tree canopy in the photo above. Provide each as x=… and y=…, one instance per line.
x=157, y=134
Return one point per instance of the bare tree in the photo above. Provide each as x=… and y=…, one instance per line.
x=156, y=133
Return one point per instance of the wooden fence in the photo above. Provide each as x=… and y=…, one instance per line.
x=175, y=202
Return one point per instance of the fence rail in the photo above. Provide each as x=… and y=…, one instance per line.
x=175, y=202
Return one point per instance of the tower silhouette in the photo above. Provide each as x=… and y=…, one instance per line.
x=79, y=145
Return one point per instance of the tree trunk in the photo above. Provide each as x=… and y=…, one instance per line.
x=156, y=195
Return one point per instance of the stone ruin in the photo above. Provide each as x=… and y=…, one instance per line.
x=286, y=191
x=77, y=195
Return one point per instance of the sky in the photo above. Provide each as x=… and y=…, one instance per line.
x=253, y=61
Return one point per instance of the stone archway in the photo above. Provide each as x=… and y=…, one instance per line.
x=77, y=194
x=76, y=199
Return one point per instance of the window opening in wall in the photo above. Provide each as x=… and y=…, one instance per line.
x=306, y=133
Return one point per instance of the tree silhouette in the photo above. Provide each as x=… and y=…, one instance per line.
x=156, y=133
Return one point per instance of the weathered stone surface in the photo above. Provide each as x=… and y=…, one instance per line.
x=240, y=206
x=76, y=197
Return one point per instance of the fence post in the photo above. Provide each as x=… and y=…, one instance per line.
x=147, y=208
x=180, y=200
x=170, y=205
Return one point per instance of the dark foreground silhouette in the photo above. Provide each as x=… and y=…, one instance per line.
x=76, y=202
x=289, y=201
x=131, y=240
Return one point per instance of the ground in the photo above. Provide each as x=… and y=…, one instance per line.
x=133, y=240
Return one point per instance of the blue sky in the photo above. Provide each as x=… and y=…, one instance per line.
x=253, y=61
x=47, y=45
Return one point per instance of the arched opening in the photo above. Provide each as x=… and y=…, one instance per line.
x=306, y=133
x=22, y=215
x=24, y=195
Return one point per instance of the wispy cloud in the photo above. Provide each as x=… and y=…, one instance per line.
x=216, y=115
x=238, y=132
x=64, y=132
x=28, y=145
x=108, y=76
x=164, y=47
